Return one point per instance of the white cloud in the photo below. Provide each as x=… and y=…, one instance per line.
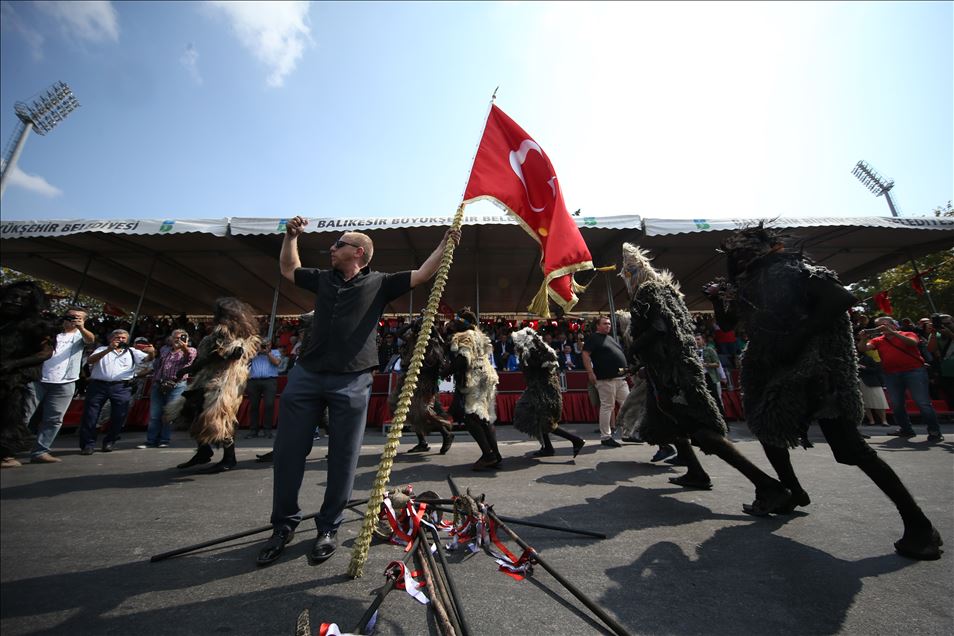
x=10, y=21
x=190, y=60
x=275, y=32
x=32, y=182
x=94, y=21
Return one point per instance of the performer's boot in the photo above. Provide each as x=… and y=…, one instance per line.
x=473, y=426
x=422, y=446
x=576, y=441
x=491, y=432
x=770, y=495
x=920, y=540
x=448, y=438
x=782, y=463
x=696, y=477
x=203, y=455
x=227, y=463
x=547, y=449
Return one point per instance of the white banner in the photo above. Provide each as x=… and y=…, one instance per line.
x=32, y=229
x=665, y=227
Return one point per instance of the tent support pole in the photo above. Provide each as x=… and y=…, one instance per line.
x=142, y=294
x=89, y=261
x=271, y=319
x=612, y=306
x=410, y=306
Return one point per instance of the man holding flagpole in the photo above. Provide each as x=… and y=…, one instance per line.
x=334, y=371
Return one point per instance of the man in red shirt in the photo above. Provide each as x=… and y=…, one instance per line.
x=904, y=370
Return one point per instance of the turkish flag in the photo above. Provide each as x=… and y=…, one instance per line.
x=113, y=310
x=917, y=285
x=883, y=302
x=512, y=171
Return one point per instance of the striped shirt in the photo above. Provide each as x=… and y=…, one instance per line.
x=170, y=361
x=261, y=367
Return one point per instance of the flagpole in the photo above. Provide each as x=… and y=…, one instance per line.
x=359, y=554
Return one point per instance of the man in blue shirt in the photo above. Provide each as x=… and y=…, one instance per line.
x=261, y=386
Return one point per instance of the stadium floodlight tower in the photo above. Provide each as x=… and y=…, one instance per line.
x=870, y=178
x=42, y=114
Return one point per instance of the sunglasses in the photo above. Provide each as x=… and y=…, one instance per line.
x=339, y=244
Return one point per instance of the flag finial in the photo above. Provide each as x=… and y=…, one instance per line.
x=494, y=96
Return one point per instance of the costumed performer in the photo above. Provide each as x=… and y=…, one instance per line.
x=680, y=410
x=475, y=386
x=800, y=366
x=539, y=409
x=217, y=381
x=426, y=415
x=26, y=342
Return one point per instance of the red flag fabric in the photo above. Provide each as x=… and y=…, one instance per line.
x=512, y=171
x=113, y=310
x=918, y=285
x=883, y=302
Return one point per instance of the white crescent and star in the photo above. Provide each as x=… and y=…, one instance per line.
x=517, y=159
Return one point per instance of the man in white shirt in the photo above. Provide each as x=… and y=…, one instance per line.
x=54, y=392
x=112, y=370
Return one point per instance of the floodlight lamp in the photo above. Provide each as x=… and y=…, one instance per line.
x=49, y=109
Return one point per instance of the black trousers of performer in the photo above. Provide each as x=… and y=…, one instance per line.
x=305, y=397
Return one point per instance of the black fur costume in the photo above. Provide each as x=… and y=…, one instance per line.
x=540, y=408
x=426, y=415
x=27, y=339
x=679, y=407
x=800, y=366
x=663, y=340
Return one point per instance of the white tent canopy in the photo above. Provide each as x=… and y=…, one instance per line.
x=183, y=265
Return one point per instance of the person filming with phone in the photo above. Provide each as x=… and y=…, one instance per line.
x=112, y=370
x=167, y=386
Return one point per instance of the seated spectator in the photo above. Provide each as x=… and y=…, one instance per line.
x=569, y=359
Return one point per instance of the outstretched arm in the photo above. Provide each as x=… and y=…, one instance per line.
x=429, y=267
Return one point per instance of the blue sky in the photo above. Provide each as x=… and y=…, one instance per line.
x=673, y=110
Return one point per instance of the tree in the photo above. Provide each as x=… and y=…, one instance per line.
x=937, y=273
x=60, y=297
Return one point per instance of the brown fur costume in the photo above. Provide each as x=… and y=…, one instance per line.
x=218, y=375
x=423, y=415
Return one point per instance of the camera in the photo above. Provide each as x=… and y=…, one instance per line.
x=122, y=345
x=871, y=332
x=183, y=337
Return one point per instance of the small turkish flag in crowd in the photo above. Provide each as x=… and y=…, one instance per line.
x=917, y=285
x=512, y=171
x=883, y=302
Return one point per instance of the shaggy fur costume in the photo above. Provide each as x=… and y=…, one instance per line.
x=476, y=380
x=26, y=341
x=797, y=367
x=540, y=408
x=210, y=404
x=426, y=414
x=663, y=337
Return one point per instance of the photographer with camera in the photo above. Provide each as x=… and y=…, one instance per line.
x=54, y=391
x=904, y=370
x=261, y=386
x=112, y=370
x=167, y=386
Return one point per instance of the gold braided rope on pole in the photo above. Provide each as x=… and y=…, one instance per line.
x=360, y=552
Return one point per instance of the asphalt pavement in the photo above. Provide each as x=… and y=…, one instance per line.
x=77, y=536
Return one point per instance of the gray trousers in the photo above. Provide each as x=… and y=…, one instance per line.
x=305, y=397
x=55, y=400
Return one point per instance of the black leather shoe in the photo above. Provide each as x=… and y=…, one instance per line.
x=325, y=546
x=197, y=460
x=274, y=547
x=108, y=447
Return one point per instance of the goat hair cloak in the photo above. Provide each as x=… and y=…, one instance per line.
x=664, y=341
x=800, y=362
x=539, y=409
x=210, y=405
x=426, y=415
x=475, y=390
